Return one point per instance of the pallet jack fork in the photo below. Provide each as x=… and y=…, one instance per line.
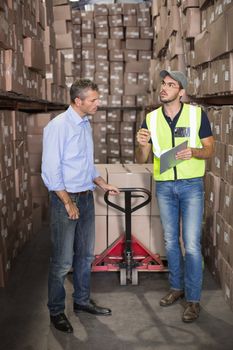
x=127, y=254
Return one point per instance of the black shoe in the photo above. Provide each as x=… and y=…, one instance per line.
x=61, y=323
x=92, y=308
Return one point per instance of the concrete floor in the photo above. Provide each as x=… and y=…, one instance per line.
x=137, y=323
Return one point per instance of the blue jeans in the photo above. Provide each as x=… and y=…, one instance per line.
x=72, y=246
x=183, y=200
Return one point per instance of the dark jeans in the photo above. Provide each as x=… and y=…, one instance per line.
x=72, y=245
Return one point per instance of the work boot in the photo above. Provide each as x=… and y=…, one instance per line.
x=171, y=297
x=191, y=312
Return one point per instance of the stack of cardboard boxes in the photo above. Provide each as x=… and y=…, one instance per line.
x=15, y=189
x=29, y=62
x=218, y=228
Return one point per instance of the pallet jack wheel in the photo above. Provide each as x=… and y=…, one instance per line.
x=123, y=277
x=134, y=277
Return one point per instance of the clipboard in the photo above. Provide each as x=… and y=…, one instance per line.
x=168, y=159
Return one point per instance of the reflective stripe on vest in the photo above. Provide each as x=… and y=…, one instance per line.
x=193, y=126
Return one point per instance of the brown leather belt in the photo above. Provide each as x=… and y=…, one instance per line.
x=78, y=193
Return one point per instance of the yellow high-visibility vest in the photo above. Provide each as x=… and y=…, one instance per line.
x=161, y=135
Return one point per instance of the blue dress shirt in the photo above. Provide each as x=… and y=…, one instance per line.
x=67, y=158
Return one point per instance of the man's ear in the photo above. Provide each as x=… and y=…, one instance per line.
x=77, y=101
x=181, y=92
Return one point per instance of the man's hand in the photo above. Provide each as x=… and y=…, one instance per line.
x=143, y=137
x=185, y=154
x=205, y=152
x=113, y=190
x=72, y=210
x=144, y=146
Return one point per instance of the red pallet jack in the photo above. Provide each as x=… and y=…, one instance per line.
x=127, y=254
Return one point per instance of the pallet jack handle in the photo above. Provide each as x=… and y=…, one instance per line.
x=128, y=193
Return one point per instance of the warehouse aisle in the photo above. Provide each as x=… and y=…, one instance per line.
x=137, y=323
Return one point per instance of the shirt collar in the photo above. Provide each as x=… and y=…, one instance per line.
x=177, y=115
x=75, y=117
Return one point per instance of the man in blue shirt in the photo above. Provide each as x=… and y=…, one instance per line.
x=69, y=173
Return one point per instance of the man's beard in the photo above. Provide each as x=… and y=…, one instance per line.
x=164, y=100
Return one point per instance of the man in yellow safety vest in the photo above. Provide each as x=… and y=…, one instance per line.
x=179, y=188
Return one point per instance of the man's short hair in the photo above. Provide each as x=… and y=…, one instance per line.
x=80, y=87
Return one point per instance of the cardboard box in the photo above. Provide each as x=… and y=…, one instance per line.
x=130, y=20
x=115, y=21
x=87, y=26
x=202, y=47
x=212, y=193
x=100, y=10
x=127, y=151
x=220, y=223
x=124, y=177
x=62, y=12
x=88, y=54
x=113, y=139
x=37, y=122
x=34, y=56
x=116, y=55
x=114, y=115
x=138, y=44
x=136, y=67
x=140, y=228
x=64, y=41
x=117, y=33
x=128, y=101
x=34, y=143
x=114, y=100
x=219, y=159
x=100, y=234
x=127, y=139
x=193, y=22
x=229, y=164
x=225, y=73
x=229, y=28
x=101, y=43
x=102, y=33
x=100, y=205
x=227, y=242
x=133, y=33
x=218, y=45
x=146, y=33
x=134, y=89
x=227, y=124
x=114, y=9
x=189, y=3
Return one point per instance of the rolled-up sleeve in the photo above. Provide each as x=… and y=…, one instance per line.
x=95, y=173
x=52, y=158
